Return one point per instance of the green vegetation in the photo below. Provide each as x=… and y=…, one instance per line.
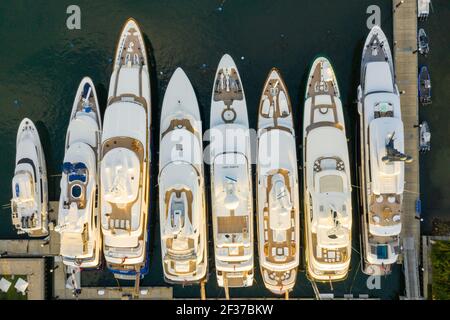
x=440, y=260
x=12, y=293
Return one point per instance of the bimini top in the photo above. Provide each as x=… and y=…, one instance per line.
x=386, y=177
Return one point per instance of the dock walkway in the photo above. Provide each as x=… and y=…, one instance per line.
x=61, y=292
x=406, y=68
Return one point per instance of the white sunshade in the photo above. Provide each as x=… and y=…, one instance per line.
x=21, y=285
x=4, y=285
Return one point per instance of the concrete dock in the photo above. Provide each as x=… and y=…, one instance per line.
x=406, y=68
x=61, y=292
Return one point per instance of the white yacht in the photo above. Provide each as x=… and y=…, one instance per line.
x=78, y=222
x=278, y=222
x=125, y=159
x=29, y=203
x=182, y=208
x=231, y=179
x=326, y=178
x=382, y=158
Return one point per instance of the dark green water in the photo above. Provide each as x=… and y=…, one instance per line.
x=42, y=62
x=434, y=165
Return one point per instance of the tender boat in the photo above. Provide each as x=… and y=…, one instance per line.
x=277, y=193
x=425, y=137
x=382, y=156
x=78, y=204
x=182, y=207
x=125, y=159
x=422, y=40
x=326, y=177
x=231, y=179
x=424, y=86
x=423, y=9
x=29, y=203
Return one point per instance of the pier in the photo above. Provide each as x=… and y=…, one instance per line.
x=61, y=292
x=406, y=68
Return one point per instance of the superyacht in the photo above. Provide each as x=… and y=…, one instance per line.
x=125, y=159
x=78, y=203
x=182, y=207
x=278, y=206
x=29, y=203
x=382, y=163
x=326, y=177
x=231, y=179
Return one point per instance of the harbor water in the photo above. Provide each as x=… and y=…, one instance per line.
x=42, y=63
x=434, y=168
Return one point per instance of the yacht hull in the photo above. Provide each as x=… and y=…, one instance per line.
x=126, y=140
x=231, y=183
x=81, y=239
x=30, y=196
x=182, y=206
x=278, y=221
x=326, y=158
x=380, y=119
